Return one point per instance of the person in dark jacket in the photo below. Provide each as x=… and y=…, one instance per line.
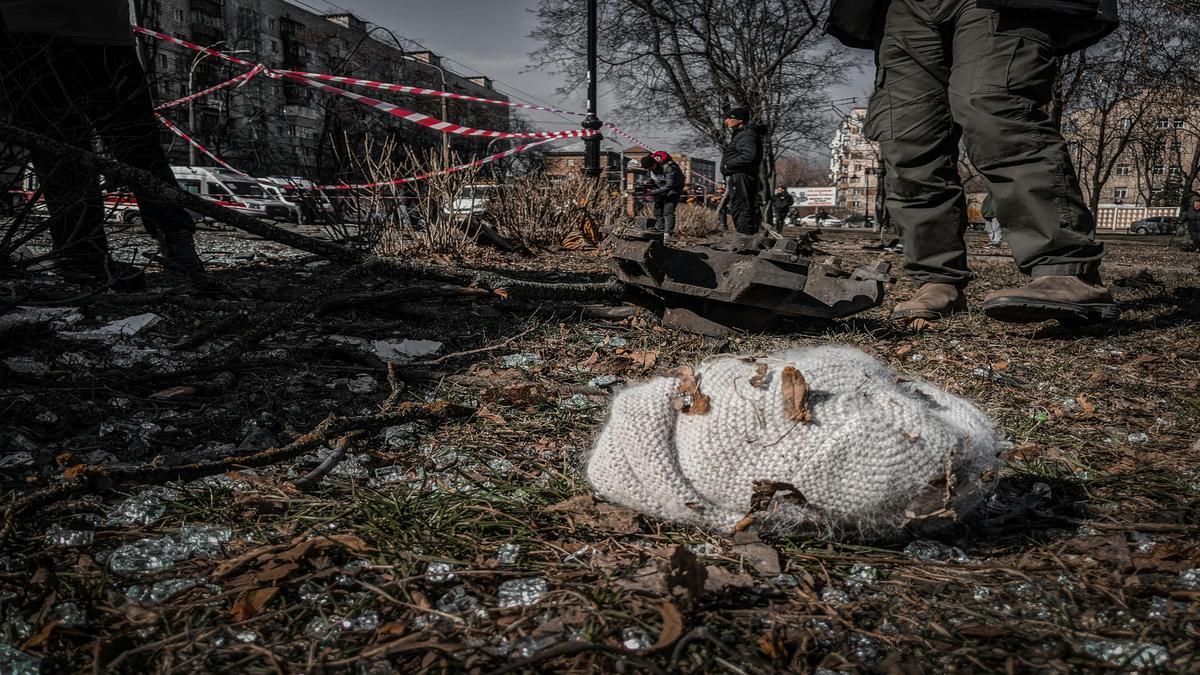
x=984, y=69
x=782, y=202
x=70, y=72
x=739, y=165
x=1191, y=219
x=669, y=180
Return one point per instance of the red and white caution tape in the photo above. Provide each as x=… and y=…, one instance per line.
x=179, y=132
x=619, y=132
x=422, y=91
x=239, y=81
x=193, y=46
x=453, y=169
x=432, y=122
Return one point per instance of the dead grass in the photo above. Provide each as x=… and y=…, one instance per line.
x=1092, y=525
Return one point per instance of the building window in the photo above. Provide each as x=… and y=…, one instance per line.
x=570, y=162
x=1127, y=123
x=274, y=47
x=1163, y=123
x=1177, y=146
x=1124, y=170
x=1176, y=169
x=1159, y=170
x=1119, y=194
x=162, y=61
x=1178, y=123
x=271, y=24
x=178, y=14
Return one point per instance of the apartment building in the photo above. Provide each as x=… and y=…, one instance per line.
x=853, y=165
x=271, y=126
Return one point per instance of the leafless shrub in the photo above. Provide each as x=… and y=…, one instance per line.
x=412, y=217
x=695, y=220
x=535, y=212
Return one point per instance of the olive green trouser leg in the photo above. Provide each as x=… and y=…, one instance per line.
x=946, y=67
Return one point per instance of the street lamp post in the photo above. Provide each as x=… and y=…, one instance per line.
x=591, y=144
x=445, y=135
x=192, y=88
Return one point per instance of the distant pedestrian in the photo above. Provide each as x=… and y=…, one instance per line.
x=668, y=181
x=70, y=72
x=987, y=67
x=739, y=164
x=1191, y=218
x=782, y=202
x=991, y=222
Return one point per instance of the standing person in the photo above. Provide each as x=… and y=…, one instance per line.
x=668, y=177
x=985, y=68
x=782, y=202
x=70, y=72
x=1191, y=219
x=992, y=222
x=739, y=165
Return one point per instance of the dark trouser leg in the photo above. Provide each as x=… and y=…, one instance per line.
x=743, y=202
x=668, y=215
x=658, y=214
x=131, y=133
x=41, y=80
x=1003, y=77
x=909, y=115
x=780, y=216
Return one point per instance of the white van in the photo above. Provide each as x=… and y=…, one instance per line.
x=302, y=195
x=228, y=186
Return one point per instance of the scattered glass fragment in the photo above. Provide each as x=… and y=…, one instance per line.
x=70, y=614
x=785, y=581
x=521, y=592
x=636, y=639
x=508, y=554
x=866, y=648
x=160, y=591
x=526, y=647
x=72, y=538
x=144, y=508
x=16, y=662
x=923, y=549
x=1190, y=579
x=576, y=402
x=1126, y=654
x=460, y=603
x=148, y=555
x=439, y=572
x=520, y=360
x=247, y=636
x=1138, y=437
x=602, y=381
x=982, y=594
x=835, y=596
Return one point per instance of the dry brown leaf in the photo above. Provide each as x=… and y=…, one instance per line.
x=74, y=471
x=760, y=376
x=743, y=524
x=795, y=396
x=763, y=491
x=584, y=510
x=903, y=349
x=41, y=636
x=999, y=366
x=920, y=324
x=503, y=294
x=251, y=603
x=1085, y=405
x=174, y=392
x=672, y=626
x=692, y=401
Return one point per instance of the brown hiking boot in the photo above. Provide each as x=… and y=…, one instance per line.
x=1070, y=299
x=931, y=301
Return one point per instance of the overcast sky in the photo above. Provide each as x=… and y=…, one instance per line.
x=491, y=37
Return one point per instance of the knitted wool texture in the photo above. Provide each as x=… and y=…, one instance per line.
x=883, y=453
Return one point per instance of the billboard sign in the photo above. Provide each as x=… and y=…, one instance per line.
x=813, y=196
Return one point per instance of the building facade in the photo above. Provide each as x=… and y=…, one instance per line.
x=853, y=166
x=271, y=126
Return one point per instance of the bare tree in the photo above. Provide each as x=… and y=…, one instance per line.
x=793, y=171
x=685, y=62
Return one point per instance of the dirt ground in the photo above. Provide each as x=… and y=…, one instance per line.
x=462, y=539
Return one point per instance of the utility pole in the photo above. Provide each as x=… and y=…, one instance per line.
x=591, y=144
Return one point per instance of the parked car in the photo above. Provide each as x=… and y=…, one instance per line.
x=221, y=185
x=471, y=201
x=1156, y=225
x=860, y=220
x=307, y=202
x=827, y=221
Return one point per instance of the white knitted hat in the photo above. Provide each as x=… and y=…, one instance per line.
x=882, y=453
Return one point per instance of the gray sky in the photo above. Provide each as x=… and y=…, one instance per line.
x=491, y=37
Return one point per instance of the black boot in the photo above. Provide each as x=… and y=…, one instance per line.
x=177, y=251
